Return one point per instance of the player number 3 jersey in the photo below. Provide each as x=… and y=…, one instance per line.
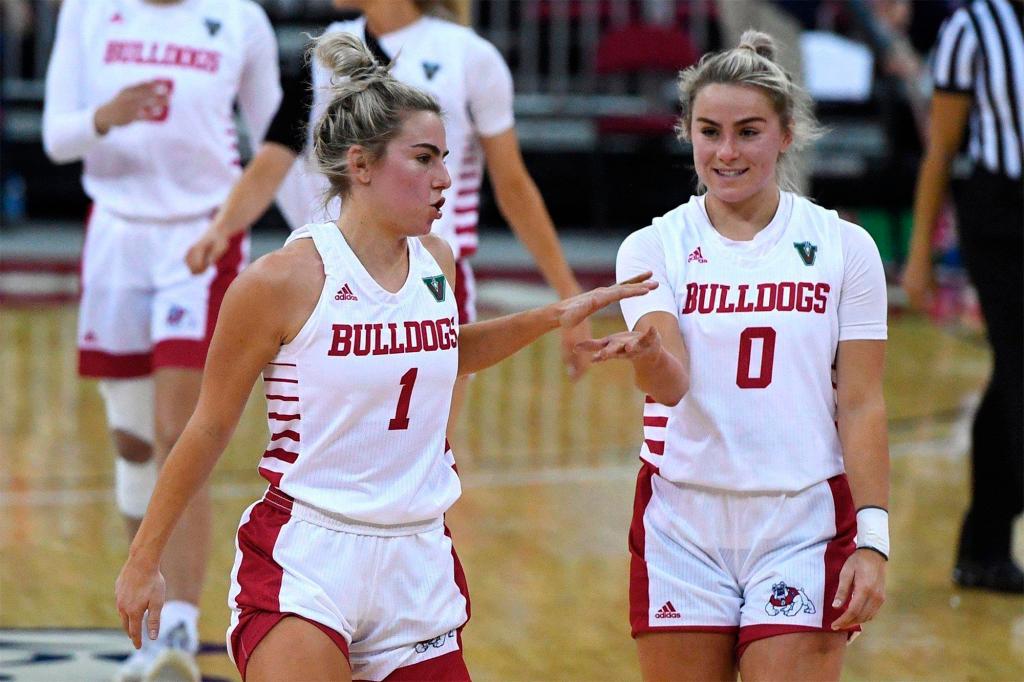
x=358, y=401
x=762, y=321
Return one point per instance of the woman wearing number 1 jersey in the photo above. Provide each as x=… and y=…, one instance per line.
x=759, y=537
x=345, y=569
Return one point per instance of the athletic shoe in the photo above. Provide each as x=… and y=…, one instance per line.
x=998, y=575
x=171, y=658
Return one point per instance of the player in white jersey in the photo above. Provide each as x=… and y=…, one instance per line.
x=142, y=91
x=344, y=569
x=473, y=84
x=743, y=536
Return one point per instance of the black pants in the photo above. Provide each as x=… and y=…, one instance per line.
x=991, y=224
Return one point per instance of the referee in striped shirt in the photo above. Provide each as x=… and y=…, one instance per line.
x=978, y=71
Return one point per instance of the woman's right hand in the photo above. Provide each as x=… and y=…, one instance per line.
x=919, y=282
x=207, y=250
x=133, y=103
x=139, y=590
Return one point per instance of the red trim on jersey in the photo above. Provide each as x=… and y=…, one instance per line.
x=648, y=400
x=466, y=229
x=460, y=580
x=639, y=585
x=271, y=477
x=284, y=381
x=466, y=209
x=282, y=364
x=449, y=667
x=286, y=398
x=259, y=579
x=657, y=447
x=286, y=434
x=462, y=292
x=100, y=365
x=281, y=454
x=284, y=417
x=655, y=421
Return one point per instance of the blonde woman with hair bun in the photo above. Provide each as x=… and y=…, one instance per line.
x=760, y=533
x=473, y=85
x=345, y=569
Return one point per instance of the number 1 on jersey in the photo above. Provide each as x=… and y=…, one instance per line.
x=400, y=422
x=764, y=376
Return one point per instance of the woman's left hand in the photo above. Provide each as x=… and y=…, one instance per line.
x=576, y=363
x=863, y=574
x=574, y=310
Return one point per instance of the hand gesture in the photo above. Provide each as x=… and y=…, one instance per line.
x=864, y=575
x=919, y=283
x=574, y=310
x=206, y=251
x=624, y=346
x=134, y=103
x=138, y=591
x=576, y=363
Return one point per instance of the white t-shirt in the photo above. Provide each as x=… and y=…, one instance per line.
x=472, y=84
x=208, y=52
x=358, y=401
x=762, y=321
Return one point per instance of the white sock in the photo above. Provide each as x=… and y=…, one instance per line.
x=176, y=611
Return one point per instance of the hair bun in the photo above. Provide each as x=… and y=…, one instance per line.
x=759, y=42
x=346, y=56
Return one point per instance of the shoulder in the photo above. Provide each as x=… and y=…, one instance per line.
x=442, y=253
x=284, y=275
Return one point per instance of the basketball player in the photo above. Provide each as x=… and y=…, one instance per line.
x=746, y=546
x=142, y=91
x=345, y=569
x=471, y=81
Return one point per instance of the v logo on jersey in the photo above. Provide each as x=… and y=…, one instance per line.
x=807, y=251
x=212, y=25
x=697, y=256
x=436, y=286
x=430, y=68
x=668, y=611
x=345, y=294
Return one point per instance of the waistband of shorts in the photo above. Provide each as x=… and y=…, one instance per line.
x=170, y=221
x=339, y=522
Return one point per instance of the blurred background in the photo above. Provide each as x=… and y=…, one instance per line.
x=548, y=466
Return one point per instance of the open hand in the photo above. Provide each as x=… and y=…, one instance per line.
x=138, y=591
x=624, y=346
x=572, y=337
x=576, y=309
x=864, y=575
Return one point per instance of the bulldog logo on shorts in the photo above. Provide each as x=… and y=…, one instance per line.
x=788, y=600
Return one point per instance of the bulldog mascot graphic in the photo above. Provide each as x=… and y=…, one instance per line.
x=788, y=600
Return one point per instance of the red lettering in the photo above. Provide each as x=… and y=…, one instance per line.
x=743, y=306
x=378, y=347
x=804, y=296
x=395, y=346
x=786, y=297
x=821, y=290
x=430, y=340
x=341, y=344
x=705, y=304
x=722, y=308
x=691, y=298
x=443, y=339
x=413, y=337
x=362, y=342
x=766, y=294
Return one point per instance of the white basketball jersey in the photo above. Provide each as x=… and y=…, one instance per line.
x=357, y=402
x=762, y=321
x=472, y=84
x=182, y=160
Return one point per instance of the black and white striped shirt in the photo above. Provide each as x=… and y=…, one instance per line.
x=980, y=51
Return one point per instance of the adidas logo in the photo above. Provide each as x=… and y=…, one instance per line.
x=668, y=611
x=345, y=294
x=697, y=256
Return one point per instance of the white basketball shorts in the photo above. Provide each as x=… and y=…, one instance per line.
x=753, y=564
x=393, y=599
x=141, y=308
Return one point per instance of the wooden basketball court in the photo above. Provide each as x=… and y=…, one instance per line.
x=548, y=471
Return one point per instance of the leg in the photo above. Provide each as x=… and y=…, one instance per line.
x=795, y=656
x=295, y=649
x=687, y=656
x=184, y=565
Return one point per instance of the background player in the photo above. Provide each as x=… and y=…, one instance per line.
x=742, y=540
x=471, y=81
x=143, y=92
x=345, y=568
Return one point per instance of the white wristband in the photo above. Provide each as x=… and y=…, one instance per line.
x=873, y=530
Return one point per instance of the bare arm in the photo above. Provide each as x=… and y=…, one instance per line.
x=948, y=120
x=248, y=200
x=483, y=344
x=250, y=329
x=864, y=439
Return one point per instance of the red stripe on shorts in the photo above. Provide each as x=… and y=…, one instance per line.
x=96, y=363
x=639, y=585
x=840, y=547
